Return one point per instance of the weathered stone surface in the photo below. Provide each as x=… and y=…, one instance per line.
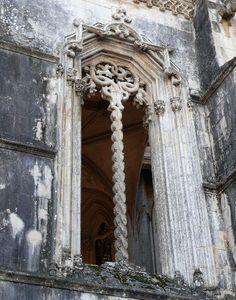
x=28, y=100
x=24, y=218
x=192, y=145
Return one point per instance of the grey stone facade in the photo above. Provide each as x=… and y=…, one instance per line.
x=193, y=150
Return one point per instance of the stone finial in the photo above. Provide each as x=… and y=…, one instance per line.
x=77, y=22
x=121, y=16
x=198, y=281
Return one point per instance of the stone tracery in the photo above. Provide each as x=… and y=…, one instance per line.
x=177, y=7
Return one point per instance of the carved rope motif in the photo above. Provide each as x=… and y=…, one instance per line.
x=116, y=83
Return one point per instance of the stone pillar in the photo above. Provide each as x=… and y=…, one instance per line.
x=68, y=170
x=182, y=223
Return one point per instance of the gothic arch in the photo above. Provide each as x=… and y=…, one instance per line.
x=180, y=206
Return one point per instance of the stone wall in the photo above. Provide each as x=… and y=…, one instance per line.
x=32, y=34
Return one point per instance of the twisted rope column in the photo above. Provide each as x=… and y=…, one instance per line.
x=119, y=199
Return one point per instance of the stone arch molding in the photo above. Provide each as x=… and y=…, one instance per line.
x=117, y=61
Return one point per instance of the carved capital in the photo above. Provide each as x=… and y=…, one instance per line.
x=176, y=104
x=159, y=107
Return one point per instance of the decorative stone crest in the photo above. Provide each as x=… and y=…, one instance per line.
x=159, y=107
x=121, y=29
x=177, y=7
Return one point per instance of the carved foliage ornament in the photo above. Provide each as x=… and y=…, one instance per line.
x=115, y=83
x=177, y=7
x=119, y=28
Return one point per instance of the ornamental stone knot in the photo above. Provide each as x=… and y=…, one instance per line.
x=115, y=83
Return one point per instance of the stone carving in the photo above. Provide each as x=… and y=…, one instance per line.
x=121, y=15
x=176, y=86
x=178, y=277
x=198, y=280
x=148, y=117
x=60, y=70
x=72, y=49
x=71, y=75
x=228, y=9
x=80, y=86
x=190, y=104
x=119, y=28
x=116, y=83
x=53, y=269
x=159, y=107
x=176, y=104
x=177, y=7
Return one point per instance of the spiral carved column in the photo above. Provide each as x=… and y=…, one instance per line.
x=119, y=199
x=116, y=83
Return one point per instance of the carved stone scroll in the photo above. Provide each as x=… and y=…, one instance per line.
x=116, y=83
